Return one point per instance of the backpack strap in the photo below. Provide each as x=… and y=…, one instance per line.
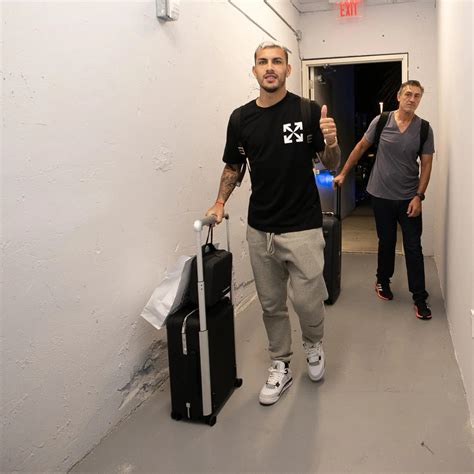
x=379, y=127
x=425, y=128
x=236, y=121
x=305, y=105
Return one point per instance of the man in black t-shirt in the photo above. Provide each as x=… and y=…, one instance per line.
x=284, y=231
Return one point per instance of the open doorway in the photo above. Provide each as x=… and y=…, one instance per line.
x=355, y=90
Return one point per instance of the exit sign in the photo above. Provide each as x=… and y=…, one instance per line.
x=348, y=8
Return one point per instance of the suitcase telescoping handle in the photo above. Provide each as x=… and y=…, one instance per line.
x=198, y=226
x=203, y=334
x=338, y=202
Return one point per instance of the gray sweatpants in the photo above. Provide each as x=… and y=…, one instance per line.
x=299, y=258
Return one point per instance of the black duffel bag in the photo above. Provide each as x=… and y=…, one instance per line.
x=217, y=267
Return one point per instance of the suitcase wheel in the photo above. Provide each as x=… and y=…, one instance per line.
x=176, y=416
x=211, y=420
x=238, y=383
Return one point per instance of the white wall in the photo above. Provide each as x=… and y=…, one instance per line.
x=114, y=127
x=383, y=29
x=454, y=201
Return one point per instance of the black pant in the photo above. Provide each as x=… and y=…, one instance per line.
x=387, y=213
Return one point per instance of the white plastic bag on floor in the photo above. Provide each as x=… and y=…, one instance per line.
x=170, y=295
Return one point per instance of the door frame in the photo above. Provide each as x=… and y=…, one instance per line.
x=308, y=65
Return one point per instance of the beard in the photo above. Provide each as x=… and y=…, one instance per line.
x=272, y=88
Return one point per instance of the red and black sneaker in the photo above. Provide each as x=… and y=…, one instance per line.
x=422, y=310
x=383, y=291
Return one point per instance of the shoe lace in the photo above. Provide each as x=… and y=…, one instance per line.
x=313, y=351
x=275, y=376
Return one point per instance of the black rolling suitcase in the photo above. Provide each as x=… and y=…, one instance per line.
x=201, y=351
x=332, y=230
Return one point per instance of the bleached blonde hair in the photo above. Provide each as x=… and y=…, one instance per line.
x=272, y=44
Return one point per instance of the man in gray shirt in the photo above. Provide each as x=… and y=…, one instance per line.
x=397, y=185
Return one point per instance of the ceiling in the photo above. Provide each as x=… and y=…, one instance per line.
x=308, y=6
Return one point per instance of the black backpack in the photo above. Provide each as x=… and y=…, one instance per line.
x=425, y=126
x=235, y=119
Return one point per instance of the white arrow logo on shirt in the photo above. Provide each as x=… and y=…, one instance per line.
x=292, y=132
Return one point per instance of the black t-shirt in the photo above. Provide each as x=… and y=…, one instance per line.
x=284, y=194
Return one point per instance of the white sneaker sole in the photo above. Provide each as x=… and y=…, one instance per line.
x=273, y=400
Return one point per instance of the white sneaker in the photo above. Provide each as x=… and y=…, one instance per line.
x=316, y=360
x=278, y=381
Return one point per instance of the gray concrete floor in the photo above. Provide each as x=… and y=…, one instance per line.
x=392, y=399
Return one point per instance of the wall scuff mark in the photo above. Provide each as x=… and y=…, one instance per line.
x=164, y=161
x=151, y=376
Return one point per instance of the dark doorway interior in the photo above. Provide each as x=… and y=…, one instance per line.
x=353, y=93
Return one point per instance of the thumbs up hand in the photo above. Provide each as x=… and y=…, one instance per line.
x=328, y=127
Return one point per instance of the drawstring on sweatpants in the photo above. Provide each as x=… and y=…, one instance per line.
x=270, y=246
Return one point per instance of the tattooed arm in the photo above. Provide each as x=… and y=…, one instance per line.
x=331, y=157
x=229, y=178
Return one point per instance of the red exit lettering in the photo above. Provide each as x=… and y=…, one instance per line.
x=348, y=8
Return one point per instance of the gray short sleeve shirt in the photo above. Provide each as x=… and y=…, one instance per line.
x=395, y=174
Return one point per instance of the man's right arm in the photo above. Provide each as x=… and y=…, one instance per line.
x=354, y=157
x=229, y=178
